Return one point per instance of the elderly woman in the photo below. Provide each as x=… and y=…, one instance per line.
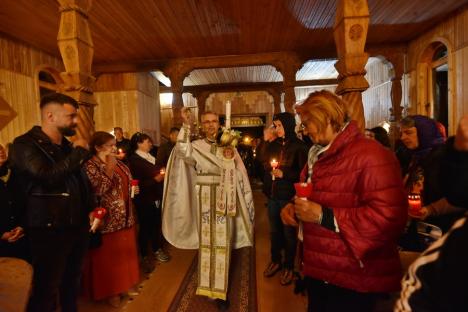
x=424, y=173
x=355, y=214
x=113, y=267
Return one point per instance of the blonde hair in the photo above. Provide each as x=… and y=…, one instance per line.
x=323, y=107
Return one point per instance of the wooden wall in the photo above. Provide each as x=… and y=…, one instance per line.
x=19, y=68
x=254, y=102
x=130, y=101
x=453, y=32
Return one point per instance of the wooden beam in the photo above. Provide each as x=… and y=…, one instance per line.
x=254, y=86
x=226, y=60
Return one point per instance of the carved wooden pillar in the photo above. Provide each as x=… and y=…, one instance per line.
x=396, y=93
x=76, y=48
x=201, y=101
x=176, y=74
x=276, y=94
x=351, y=25
x=288, y=68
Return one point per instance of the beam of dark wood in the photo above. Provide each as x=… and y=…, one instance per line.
x=245, y=86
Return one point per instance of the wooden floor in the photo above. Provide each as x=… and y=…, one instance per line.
x=158, y=290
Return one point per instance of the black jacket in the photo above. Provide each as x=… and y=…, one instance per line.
x=291, y=153
x=8, y=217
x=144, y=172
x=51, y=188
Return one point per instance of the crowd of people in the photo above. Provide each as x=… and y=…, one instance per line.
x=86, y=215
x=90, y=216
x=351, y=209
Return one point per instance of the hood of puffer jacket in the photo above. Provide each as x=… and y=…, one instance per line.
x=289, y=124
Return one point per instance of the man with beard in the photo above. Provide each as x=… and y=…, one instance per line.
x=52, y=192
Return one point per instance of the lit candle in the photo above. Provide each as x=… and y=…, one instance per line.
x=228, y=115
x=274, y=164
x=414, y=203
x=162, y=171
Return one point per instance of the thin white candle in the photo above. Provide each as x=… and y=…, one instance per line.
x=228, y=115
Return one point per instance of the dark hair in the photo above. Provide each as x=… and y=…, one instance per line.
x=138, y=137
x=381, y=135
x=118, y=128
x=174, y=129
x=98, y=139
x=58, y=98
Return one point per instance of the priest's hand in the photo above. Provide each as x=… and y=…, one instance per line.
x=287, y=215
x=307, y=211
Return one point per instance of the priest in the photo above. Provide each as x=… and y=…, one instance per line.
x=207, y=201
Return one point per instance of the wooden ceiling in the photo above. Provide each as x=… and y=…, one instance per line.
x=140, y=31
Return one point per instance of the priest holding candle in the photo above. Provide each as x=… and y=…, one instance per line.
x=207, y=202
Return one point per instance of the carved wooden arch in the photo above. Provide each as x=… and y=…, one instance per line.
x=287, y=63
x=425, y=99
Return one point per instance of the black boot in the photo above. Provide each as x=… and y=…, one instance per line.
x=223, y=305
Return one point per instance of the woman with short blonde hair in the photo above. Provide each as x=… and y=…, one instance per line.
x=322, y=107
x=355, y=214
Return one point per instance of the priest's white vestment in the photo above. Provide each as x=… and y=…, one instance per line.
x=207, y=205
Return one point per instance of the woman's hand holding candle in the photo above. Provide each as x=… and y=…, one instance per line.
x=308, y=211
x=96, y=217
x=134, y=188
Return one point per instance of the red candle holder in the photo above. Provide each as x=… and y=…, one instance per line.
x=134, y=184
x=303, y=190
x=99, y=213
x=414, y=204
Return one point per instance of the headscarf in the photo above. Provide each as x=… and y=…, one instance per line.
x=429, y=135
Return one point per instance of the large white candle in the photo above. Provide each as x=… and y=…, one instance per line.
x=228, y=115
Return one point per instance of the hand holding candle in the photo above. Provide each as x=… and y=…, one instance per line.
x=97, y=214
x=274, y=164
x=134, y=186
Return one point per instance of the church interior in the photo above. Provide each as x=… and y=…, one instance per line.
x=139, y=64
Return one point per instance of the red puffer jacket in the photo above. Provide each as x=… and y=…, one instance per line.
x=360, y=181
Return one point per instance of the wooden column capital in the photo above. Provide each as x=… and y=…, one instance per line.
x=76, y=48
x=350, y=33
x=288, y=66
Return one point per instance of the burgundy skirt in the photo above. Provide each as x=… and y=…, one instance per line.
x=112, y=268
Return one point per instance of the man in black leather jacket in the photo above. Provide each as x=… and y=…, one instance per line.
x=52, y=192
